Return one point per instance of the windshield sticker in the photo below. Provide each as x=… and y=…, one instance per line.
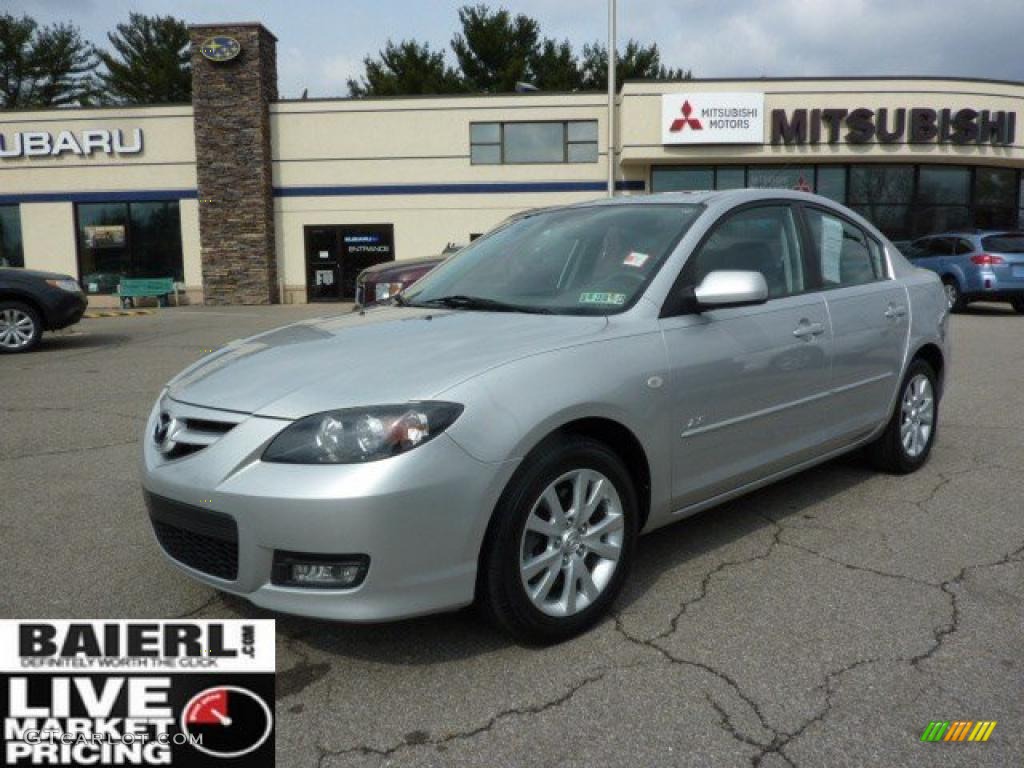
x=616, y=299
x=635, y=259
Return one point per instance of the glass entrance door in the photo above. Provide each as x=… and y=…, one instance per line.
x=323, y=264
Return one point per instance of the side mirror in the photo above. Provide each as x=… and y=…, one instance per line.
x=730, y=288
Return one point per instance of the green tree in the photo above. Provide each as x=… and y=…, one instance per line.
x=635, y=62
x=554, y=67
x=408, y=67
x=495, y=50
x=42, y=66
x=150, y=62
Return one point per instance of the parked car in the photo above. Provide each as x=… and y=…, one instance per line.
x=383, y=281
x=505, y=429
x=32, y=302
x=974, y=266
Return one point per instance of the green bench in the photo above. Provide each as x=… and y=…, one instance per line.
x=160, y=288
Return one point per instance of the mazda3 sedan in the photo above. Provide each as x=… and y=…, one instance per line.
x=505, y=429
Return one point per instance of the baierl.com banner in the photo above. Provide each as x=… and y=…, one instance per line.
x=136, y=693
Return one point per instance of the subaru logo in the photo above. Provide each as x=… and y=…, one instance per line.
x=220, y=48
x=167, y=429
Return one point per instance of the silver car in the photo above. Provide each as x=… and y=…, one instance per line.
x=505, y=429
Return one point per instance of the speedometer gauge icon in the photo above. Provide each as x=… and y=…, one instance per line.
x=227, y=721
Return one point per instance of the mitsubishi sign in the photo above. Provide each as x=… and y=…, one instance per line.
x=712, y=118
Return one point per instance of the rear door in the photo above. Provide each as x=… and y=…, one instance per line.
x=870, y=318
x=746, y=385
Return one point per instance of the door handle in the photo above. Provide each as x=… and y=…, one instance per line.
x=807, y=331
x=894, y=311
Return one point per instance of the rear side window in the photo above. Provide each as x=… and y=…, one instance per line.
x=941, y=246
x=843, y=252
x=964, y=246
x=1003, y=243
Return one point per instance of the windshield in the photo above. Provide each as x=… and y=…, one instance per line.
x=595, y=260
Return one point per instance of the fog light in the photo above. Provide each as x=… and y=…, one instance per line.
x=295, y=569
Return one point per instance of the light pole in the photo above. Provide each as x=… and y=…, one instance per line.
x=611, y=98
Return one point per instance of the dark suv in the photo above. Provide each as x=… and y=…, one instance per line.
x=32, y=302
x=985, y=265
x=382, y=281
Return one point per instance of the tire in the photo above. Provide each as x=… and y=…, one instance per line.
x=549, y=475
x=954, y=297
x=1018, y=305
x=890, y=453
x=20, y=327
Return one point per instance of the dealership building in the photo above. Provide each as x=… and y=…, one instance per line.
x=243, y=197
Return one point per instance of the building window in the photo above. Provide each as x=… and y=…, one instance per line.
x=904, y=201
x=12, y=253
x=683, y=178
x=118, y=240
x=572, y=141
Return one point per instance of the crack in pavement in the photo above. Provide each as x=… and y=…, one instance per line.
x=64, y=451
x=205, y=604
x=422, y=738
x=780, y=739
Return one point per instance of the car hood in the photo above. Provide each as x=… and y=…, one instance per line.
x=387, y=267
x=384, y=355
x=33, y=274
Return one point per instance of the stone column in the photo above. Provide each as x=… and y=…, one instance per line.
x=231, y=101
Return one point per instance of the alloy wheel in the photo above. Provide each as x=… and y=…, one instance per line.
x=572, y=542
x=17, y=329
x=917, y=415
x=952, y=294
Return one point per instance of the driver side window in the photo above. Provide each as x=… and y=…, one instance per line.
x=762, y=239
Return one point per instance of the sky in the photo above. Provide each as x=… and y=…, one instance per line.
x=322, y=44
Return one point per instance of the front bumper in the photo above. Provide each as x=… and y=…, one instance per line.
x=420, y=517
x=64, y=308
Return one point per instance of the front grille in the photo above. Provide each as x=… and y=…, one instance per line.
x=199, y=538
x=178, y=435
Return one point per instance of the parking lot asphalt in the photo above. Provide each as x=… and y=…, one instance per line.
x=823, y=621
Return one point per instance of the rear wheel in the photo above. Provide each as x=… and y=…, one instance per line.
x=905, y=445
x=954, y=297
x=20, y=327
x=561, y=543
x=1018, y=304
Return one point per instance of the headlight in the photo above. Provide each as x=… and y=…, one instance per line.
x=358, y=435
x=386, y=290
x=66, y=285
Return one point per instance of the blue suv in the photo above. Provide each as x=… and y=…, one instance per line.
x=974, y=266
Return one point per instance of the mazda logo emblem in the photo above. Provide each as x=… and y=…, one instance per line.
x=167, y=428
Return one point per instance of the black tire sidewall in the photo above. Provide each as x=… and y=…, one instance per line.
x=508, y=601
x=1018, y=305
x=37, y=323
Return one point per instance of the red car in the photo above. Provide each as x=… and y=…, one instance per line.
x=382, y=281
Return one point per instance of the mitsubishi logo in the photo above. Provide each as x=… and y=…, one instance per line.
x=681, y=122
x=166, y=432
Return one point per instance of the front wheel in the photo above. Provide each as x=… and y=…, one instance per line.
x=561, y=542
x=905, y=445
x=1018, y=305
x=20, y=327
x=954, y=297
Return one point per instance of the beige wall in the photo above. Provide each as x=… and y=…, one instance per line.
x=190, y=249
x=416, y=142
x=48, y=237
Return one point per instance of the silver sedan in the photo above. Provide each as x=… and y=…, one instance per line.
x=503, y=431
